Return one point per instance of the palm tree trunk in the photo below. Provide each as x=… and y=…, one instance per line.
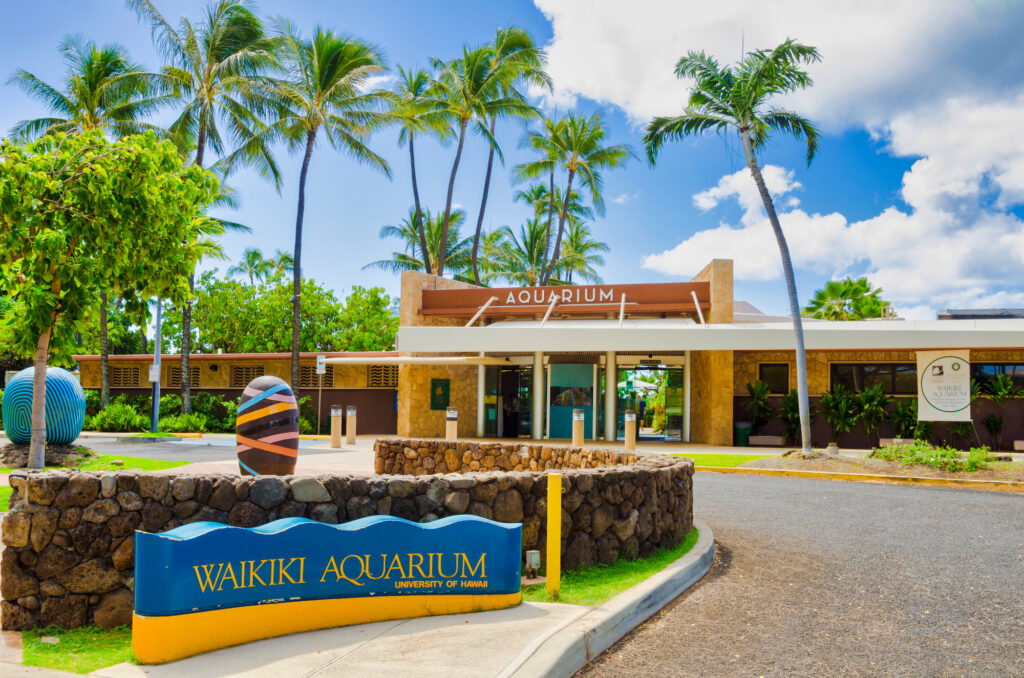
x=419, y=212
x=483, y=205
x=561, y=227
x=443, y=247
x=297, y=273
x=186, y=348
x=104, y=357
x=551, y=217
x=37, y=443
x=794, y=304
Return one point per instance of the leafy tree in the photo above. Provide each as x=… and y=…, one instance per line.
x=736, y=97
x=847, y=300
x=458, y=253
x=369, y=320
x=61, y=198
x=253, y=265
x=324, y=88
x=580, y=151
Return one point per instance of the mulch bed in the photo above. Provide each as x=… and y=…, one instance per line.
x=836, y=464
x=16, y=456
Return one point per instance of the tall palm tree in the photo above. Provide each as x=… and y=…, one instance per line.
x=545, y=141
x=103, y=90
x=282, y=262
x=579, y=147
x=212, y=65
x=521, y=258
x=458, y=254
x=581, y=253
x=737, y=97
x=416, y=113
x=253, y=265
x=516, y=59
x=325, y=89
x=468, y=90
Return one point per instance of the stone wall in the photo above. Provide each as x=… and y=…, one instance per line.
x=68, y=554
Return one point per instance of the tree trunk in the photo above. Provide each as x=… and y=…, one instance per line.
x=37, y=443
x=443, y=247
x=297, y=273
x=794, y=303
x=418, y=221
x=142, y=336
x=551, y=218
x=561, y=227
x=483, y=205
x=186, y=349
x=104, y=354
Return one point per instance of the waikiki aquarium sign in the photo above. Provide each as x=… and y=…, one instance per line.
x=206, y=585
x=944, y=386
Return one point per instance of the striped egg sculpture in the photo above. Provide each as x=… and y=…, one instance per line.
x=267, y=428
x=65, y=407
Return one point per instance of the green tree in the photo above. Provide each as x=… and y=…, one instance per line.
x=368, y=320
x=737, y=97
x=252, y=265
x=60, y=199
x=417, y=113
x=468, y=90
x=581, y=253
x=580, y=149
x=325, y=89
x=546, y=142
x=458, y=248
x=213, y=65
x=999, y=390
x=847, y=300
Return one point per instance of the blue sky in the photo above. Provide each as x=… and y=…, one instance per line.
x=905, y=189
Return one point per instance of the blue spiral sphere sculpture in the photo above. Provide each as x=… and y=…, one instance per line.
x=65, y=407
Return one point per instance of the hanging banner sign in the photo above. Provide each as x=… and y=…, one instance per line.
x=205, y=585
x=944, y=386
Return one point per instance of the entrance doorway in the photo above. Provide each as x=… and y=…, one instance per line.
x=656, y=394
x=508, y=402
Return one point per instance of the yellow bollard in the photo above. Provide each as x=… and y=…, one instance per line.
x=630, y=429
x=578, y=418
x=335, y=426
x=350, y=425
x=554, y=569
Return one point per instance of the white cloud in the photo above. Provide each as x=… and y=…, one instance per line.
x=879, y=57
x=956, y=245
x=376, y=81
x=625, y=198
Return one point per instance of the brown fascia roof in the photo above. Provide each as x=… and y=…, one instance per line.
x=242, y=356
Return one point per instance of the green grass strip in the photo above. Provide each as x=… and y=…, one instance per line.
x=104, y=463
x=149, y=434
x=598, y=584
x=5, y=496
x=722, y=460
x=81, y=650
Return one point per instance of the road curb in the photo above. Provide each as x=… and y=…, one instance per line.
x=583, y=639
x=987, y=485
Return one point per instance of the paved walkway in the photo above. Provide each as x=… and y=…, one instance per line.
x=820, y=578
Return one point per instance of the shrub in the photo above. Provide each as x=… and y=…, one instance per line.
x=871, y=403
x=758, y=407
x=937, y=457
x=1, y=409
x=307, y=415
x=118, y=417
x=994, y=425
x=183, y=423
x=219, y=413
x=839, y=409
x=92, y=402
x=791, y=416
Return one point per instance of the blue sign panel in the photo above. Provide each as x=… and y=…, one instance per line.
x=210, y=566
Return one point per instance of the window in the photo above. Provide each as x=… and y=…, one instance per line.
x=895, y=378
x=382, y=376
x=308, y=378
x=174, y=377
x=985, y=372
x=241, y=375
x=124, y=377
x=775, y=376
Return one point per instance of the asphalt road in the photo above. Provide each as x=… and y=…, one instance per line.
x=822, y=578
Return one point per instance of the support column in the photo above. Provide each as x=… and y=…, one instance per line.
x=480, y=393
x=537, y=412
x=686, y=398
x=594, y=415
x=611, y=391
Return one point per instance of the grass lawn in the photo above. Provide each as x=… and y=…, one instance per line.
x=80, y=650
x=104, y=462
x=158, y=434
x=5, y=496
x=597, y=584
x=720, y=460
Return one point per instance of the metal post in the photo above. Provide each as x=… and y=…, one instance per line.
x=155, y=418
x=611, y=392
x=554, y=546
x=319, y=403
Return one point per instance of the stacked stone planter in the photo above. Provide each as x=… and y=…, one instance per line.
x=68, y=539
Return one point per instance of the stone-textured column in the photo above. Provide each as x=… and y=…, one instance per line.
x=611, y=391
x=537, y=422
x=480, y=394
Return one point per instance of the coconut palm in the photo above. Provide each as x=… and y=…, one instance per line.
x=468, y=91
x=577, y=146
x=324, y=90
x=212, y=65
x=581, y=253
x=416, y=113
x=545, y=141
x=515, y=57
x=458, y=254
x=737, y=97
x=521, y=256
x=253, y=265
x=282, y=262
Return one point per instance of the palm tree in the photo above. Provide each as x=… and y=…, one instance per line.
x=282, y=262
x=544, y=141
x=515, y=57
x=736, y=97
x=578, y=147
x=468, y=90
x=581, y=253
x=253, y=265
x=324, y=89
x=212, y=66
x=416, y=113
x=521, y=258
x=103, y=90
x=458, y=254
x=847, y=300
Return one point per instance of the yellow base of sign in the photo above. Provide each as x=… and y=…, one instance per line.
x=156, y=640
